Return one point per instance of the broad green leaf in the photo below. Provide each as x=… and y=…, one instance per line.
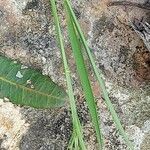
x=28, y=86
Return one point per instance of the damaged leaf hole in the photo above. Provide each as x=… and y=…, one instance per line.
x=141, y=65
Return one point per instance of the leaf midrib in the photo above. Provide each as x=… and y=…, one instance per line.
x=28, y=89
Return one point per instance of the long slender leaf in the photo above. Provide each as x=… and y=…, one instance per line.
x=100, y=79
x=76, y=124
x=28, y=87
x=75, y=43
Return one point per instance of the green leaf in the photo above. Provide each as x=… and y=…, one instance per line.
x=83, y=74
x=28, y=87
x=77, y=128
x=98, y=75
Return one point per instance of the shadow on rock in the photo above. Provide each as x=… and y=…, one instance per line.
x=48, y=130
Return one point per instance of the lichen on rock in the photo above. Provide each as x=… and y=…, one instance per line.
x=27, y=33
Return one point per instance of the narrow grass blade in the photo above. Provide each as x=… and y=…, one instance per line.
x=83, y=76
x=76, y=123
x=71, y=141
x=99, y=78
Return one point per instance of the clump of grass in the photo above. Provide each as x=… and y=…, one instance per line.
x=83, y=74
x=77, y=136
x=99, y=77
x=77, y=40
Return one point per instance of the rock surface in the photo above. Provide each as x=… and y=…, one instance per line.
x=27, y=34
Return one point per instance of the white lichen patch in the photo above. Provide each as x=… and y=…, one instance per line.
x=12, y=125
x=138, y=134
x=24, y=67
x=19, y=75
x=128, y=100
x=32, y=86
x=28, y=81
